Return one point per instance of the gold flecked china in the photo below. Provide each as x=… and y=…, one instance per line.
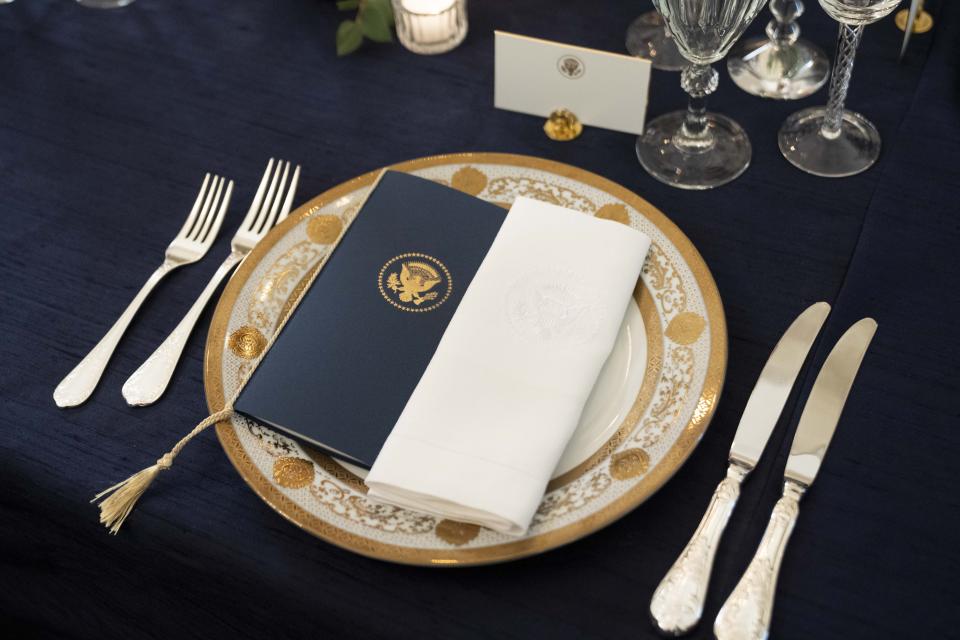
x=685, y=351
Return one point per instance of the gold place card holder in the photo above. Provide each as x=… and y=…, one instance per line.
x=562, y=125
x=922, y=22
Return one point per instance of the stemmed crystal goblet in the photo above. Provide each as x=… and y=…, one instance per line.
x=694, y=149
x=830, y=141
x=783, y=65
x=648, y=38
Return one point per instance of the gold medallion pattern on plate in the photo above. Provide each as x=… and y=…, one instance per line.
x=667, y=385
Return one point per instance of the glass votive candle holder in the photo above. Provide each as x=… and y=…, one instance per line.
x=430, y=26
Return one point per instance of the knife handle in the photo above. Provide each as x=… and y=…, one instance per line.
x=746, y=613
x=677, y=603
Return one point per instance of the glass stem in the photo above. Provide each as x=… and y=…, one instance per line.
x=783, y=30
x=847, y=43
x=694, y=136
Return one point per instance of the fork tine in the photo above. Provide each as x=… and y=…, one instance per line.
x=210, y=236
x=208, y=208
x=258, y=198
x=291, y=190
x=185, y=230
x=204, y=209
x=265, y=207
x=276, y=201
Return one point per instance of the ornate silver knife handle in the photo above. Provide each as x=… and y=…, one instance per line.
x=77, y=386
x=746, y=613
x=677, y=603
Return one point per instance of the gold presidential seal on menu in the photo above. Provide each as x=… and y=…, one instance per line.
x=415, y=282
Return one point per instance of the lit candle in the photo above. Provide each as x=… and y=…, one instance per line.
x=432, y=20
x=430, y=26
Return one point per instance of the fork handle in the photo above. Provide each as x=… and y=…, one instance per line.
x=746, y=613
x=77, y=386
x=677, y=604
x=148, y=383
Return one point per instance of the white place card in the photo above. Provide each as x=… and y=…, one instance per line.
x=603, y=89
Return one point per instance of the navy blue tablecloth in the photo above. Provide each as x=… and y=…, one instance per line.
x=109, y=118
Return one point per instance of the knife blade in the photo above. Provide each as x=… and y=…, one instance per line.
x=774, y=385
x=822, y=411
x=746, y=613
x=677, y=604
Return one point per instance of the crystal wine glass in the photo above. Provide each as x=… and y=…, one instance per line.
x=648, y=38
x=782, y=65
x=694, y=149
x=830, y=141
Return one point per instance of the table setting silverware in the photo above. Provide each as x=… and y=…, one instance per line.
x=190, y=245
x=746, y=613
x=270, y=206
x=677, y=603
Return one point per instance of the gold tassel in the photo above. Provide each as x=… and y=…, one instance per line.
x=123, y=496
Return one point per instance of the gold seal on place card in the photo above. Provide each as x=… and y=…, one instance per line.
x=415, y=282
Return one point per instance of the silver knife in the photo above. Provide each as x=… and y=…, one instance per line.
x=677, y=603
x=746, y=613
x=908, y=31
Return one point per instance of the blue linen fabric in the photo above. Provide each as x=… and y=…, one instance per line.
x=108, y=120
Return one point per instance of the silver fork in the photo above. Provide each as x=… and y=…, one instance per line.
x=191, y=244
x=148, y=383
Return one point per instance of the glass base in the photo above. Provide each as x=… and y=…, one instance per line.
x=647, y=38
x=760, y=67
x=723, y=161
x=855, y=149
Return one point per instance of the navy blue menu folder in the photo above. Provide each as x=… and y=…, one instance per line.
x=340, y=372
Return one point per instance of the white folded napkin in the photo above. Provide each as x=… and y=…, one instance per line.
x=482, y=433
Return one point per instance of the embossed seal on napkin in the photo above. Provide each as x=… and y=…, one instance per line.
x=553, y=305
x=483, y=431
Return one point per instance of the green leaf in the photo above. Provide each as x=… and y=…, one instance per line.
x=374, y=19
x=383, y=6
x=349, y=37
x=347, y=5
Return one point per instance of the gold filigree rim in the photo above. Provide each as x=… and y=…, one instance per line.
x=633, y=497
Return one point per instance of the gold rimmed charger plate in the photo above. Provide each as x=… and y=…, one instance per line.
x=634, y=448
